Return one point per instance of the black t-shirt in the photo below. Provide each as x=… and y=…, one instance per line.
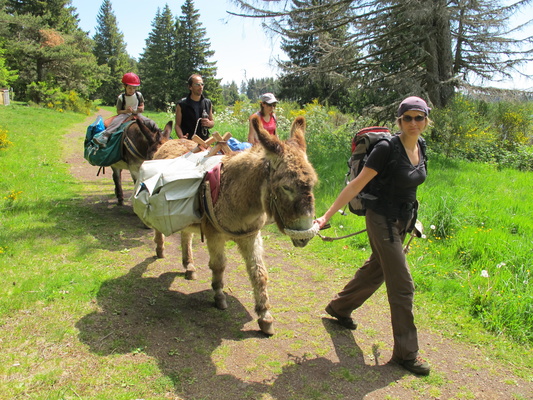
x=191, y=111
x=397, y=179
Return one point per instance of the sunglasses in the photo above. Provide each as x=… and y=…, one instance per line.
x=270, y=105
x=418, y=118
x=198, y=84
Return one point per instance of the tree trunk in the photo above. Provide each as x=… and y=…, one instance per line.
x=439, y=63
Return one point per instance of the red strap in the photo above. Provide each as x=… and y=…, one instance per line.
x=213, y=177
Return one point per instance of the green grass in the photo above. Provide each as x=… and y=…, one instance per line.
x=35, y=191
x=57, y=256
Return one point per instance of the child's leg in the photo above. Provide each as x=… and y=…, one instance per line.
x=102, y=137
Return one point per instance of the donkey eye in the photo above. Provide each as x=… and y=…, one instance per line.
x=287, y=188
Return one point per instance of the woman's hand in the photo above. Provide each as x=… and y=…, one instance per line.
x=321, y=221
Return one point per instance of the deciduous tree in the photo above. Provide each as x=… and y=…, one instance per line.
x=6, y=75
x=43, y=43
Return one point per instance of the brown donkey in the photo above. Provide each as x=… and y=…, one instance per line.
x=269, y=183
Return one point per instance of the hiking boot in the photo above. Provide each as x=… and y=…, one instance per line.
x=347, y=322
x=100, y=140
x=417, y=366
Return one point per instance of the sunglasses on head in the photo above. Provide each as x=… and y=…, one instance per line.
x=418, y=118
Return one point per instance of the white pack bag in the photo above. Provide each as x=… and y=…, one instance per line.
x=166, y=195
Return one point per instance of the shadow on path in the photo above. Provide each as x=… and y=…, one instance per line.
x=182, y=331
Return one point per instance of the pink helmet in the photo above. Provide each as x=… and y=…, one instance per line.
x=131, y=79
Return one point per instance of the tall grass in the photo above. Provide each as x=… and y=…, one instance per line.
x=479, y=254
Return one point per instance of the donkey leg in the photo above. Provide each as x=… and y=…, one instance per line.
x=217, y=264
x=117, y=179
x=187, y=256
x=251, y=249
x=159, y=240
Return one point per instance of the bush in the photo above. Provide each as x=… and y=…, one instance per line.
x=459, y=131
x=521, y=158
x=513, y=123
x=496, y=133
x=52, y=97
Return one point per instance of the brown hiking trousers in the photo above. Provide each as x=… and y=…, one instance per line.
x=387, y=264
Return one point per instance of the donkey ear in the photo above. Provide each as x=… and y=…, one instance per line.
x=168, y=130
x=270, y=142
x=149, y=135
x=298, y=133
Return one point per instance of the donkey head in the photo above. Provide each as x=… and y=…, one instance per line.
x=153, y=137
x=291, y=179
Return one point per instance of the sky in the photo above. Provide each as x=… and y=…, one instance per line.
x=243, y=49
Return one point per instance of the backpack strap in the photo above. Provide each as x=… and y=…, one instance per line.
x=423, y=147
x=388, y=195
x=123, y=95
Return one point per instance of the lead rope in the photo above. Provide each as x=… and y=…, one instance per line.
x=331, y=239
x=196, y=127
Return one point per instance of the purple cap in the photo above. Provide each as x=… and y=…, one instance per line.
x=413, y=103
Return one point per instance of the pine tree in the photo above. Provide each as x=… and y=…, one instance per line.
x=55, y=14
x=194, y=52
x=157, y=64
x=110, y=50
x=256, y=87
x=175, y=49
x=310, y=57
x=230, y=93
x=413, y=46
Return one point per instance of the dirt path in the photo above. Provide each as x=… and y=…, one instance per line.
x=310, y=357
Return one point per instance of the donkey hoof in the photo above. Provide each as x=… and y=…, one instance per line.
x=220, y=302
x=191, y=275
x=266, y=326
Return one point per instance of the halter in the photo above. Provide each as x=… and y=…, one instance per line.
x=292, y=233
